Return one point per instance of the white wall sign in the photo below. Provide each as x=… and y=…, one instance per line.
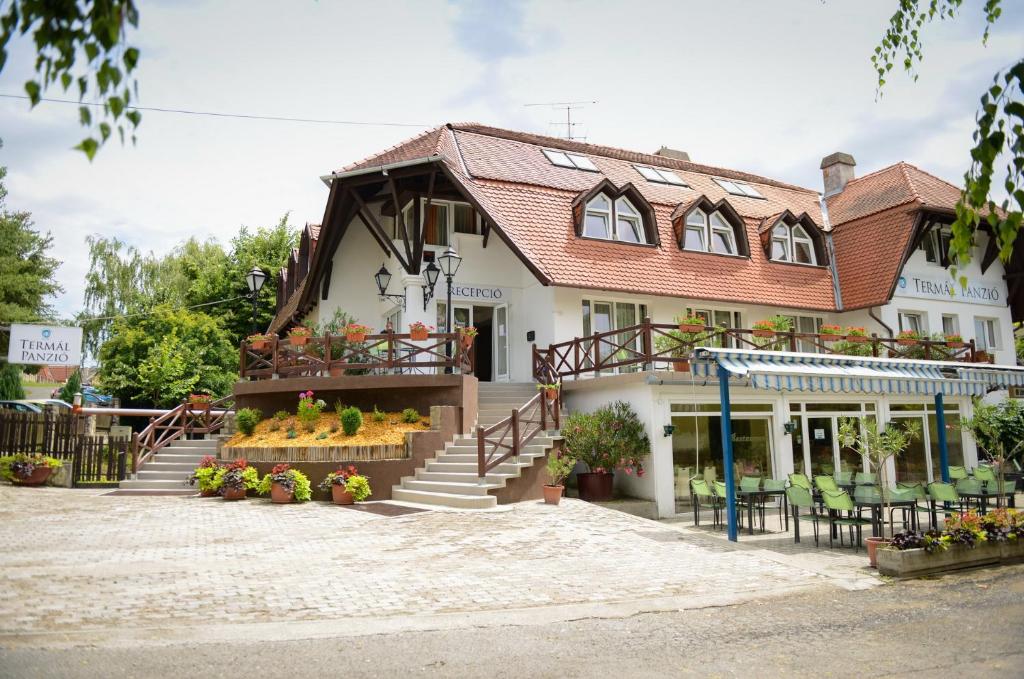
x=483, y=293
x=45, y=345
x=944, y=288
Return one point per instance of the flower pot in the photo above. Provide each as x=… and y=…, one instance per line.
x=691, y=327
x=355, y=337
x=298, y=340
x=829, y=338
x=280, y=496
x=857, y=339
x=234, y=493
x=873, y=545
x=551, y=394
x=763, y=333
x=418, y=335
x=336, y=372
x=595, y=487
x=207, y=492
x=259, y=345
x=341, y=496
x=36, y=478
x=956, y=345
x=467, y=341
x=199, y=406
x=552, y=494
x=682, y=366
x=906, y=341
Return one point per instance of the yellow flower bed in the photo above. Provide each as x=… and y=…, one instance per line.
x=391, y=431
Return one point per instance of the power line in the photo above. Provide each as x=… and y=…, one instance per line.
x=217, y=114
x=150, y=313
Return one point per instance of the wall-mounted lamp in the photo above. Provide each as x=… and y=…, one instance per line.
x=430, y=279
x=789, y=427
x=669, y=429
x=382, y=278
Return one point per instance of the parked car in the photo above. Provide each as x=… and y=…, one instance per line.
x=90, y=395
x=52, y=403
x=20, y=406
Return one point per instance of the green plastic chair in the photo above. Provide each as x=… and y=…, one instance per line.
x=920, y=493
x=800, y=498
x=750, y=483
x=800, y=480
x=824, y=483
x=957, y=473
x=844, y=478
x=837, y=502
x=723, y=497
x=984, y=473
x=703, y=496
x=865, y=479
x=946, y=495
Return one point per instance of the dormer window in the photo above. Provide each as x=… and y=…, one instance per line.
x=935, y=244
x=570, y=160
x=738, y=188
x=709, y=233
x=617, y=220
x=792, y=244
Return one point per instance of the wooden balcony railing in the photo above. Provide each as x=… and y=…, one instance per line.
x=177, y=423
x=334, y=355
x=506, y=439
x=651, y=345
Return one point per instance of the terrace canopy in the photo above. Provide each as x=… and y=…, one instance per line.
x=829, y=373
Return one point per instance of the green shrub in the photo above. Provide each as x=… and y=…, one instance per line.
x=378, y=416
x=410, y=416
x=351, y=420
x=274, y=425
x=292, y=433
x=612, y=437
x=282, y=415
x=359, y=486
x=247, y=419
x=321, y=436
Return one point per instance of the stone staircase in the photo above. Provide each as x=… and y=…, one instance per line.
x=451, y=480
x=168, y=470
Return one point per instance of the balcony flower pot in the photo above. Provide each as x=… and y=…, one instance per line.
x=336, y=371
x=956, y=345
x=259, y=345
x=356, y=337
x=873, y=544
x=857, y=339
x=280, y=496
x=234, y=493
x=36, y=478
x=418, y=334
x=201, y=406
x=298, y=340
x=983, y=357
x=759, y=332
x=340, y=496
x=552, y=494
x=691, y=327
x=907, y=342
x=551, y=394
x=681, y=366
x=595, y=486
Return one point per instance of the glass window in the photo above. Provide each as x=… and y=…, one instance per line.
x=911, y=321
x=570, y=160
x=628, y=226
x=722, y=242
x=696, y=218
x=780, y=252
x=739, y=189
x=436, y=224
x=985, y=336
x=792, y=244
x=558, y=158
x=597, y=223
x=950, y=324
x=659, y=175
x=803, y=252
x=954, y=443
x=649, y=173
x=709, y=233
x=582, y=162
x=465, y=218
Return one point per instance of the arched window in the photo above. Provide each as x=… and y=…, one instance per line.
x=709, y=233
x=792, y=244
x=618, y=220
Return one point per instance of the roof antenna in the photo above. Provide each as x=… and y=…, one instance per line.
x=569, y=107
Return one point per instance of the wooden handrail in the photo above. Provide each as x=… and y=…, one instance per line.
x=507, y=438
x=178, y=422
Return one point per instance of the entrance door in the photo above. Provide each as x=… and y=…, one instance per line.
x=914, y=463
x=501, y=370
x=821, y=435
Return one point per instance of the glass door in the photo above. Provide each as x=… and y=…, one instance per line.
x=501, y=342
x=821, y=439
x=914, y=463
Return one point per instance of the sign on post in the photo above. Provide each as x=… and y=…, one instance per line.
x=45, y=345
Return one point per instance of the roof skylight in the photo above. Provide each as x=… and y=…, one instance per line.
x=660, y=176
x=738, y=189
x=570, y=160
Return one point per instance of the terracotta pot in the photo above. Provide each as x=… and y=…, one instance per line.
x=341, y=496
x=356, y=337
x=551, y=394
x=36, y=478
x=298, y=340
x=234, y=493
x=873, y=544
x=690, y=327
x=595, y=487
x=467, y=341
x=552, y=494
x=280, y=496
x=857, y=339
x=418, y=335
x=336, y=372
x=207, y=493
x=199, y=406
x=956, y=345
x=259, y=345
x=763, y=333
x=829, y=338
x=906, y=342
x=681, y=366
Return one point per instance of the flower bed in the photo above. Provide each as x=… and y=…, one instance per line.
x=326, y=432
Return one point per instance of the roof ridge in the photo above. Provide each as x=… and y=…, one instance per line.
x=872, y=174
x=610, y=151
x=910, y=182
x=393, y=147
x=933, y=176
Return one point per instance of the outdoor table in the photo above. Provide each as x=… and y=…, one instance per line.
x=751, y=495
x=878, y=516
x=983, y=497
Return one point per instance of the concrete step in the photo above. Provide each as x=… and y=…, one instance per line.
x=453, y=488
x=154, y=484
x=157, y=466
x=462, y=477
x=194, y=443
x=470, y=441
x=534, y=447
x=444, y=499
x=189, y=450
x=506, y=467
x=148, y=474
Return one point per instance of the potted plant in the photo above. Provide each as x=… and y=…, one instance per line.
x=691, y=323
x=299, y=335
x=763, y=329
x=908, y=338
x=560, y=465
x=856, y=334
x=258, y=341
x=609, y=438
x=467, y=334
x=285, y=485
x=347, y=485
x=877, y=445
x=23, y=469
x=418, y=331
x=234, y=479
x=200, y=401
x=550, y=390
x=954, y=341
x=203, y=476
x=677, y=344
x=830, y=333
x=355, y=332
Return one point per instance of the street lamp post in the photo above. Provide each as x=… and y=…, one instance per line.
x=449, y=263
x=255, y=280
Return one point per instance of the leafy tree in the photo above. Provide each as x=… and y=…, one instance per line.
x=81, y=42
x=999, y=136
x=162, y=357
x=71, y=387
x=10, y=382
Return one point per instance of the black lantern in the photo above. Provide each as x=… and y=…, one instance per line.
x=383, y=277
x=430, y=275
x=254, y=280
x=449, y=262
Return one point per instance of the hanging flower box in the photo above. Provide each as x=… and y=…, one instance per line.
x=258, y=342
x=830, y=333
x=908, y=338
x=955, y=342
x=467, y=335
x=550, y=391
x=763, y=329
x=298, y=336
x=856, y=335
x=200, y=401
x=356, y=333
x=691, y=324
x=419, y=331
x=682, y=366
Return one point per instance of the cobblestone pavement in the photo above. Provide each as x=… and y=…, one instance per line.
x=77, y=561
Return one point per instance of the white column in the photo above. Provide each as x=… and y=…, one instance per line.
x=784, y=462
x=661, y=458
x=413, y=287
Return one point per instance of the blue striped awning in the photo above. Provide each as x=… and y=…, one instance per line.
x=785, y=371
x=996, y=377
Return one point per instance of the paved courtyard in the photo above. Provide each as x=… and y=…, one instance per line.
x=79, y=567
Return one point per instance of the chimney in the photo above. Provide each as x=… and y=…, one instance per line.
x=837, y=171
x=666, y=152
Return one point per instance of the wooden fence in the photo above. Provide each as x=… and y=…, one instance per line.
x=92, y=459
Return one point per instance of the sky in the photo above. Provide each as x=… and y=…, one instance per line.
x=763, y=87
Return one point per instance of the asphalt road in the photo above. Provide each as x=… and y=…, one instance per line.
x=965, y=625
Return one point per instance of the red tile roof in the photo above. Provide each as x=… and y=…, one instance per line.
x=897, y=184
x=867, y=272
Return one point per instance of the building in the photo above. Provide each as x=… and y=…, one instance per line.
x=568, y=247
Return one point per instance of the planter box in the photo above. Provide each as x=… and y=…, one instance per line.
x=912, y=563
